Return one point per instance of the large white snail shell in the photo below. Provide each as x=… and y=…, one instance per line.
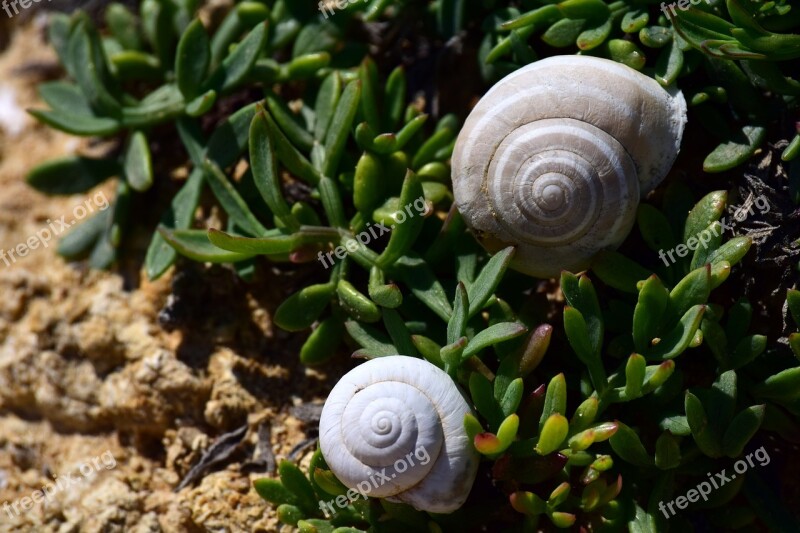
x=555, y=156
x=377, y=417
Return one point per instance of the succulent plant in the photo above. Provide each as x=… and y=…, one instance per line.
x=594, y=402
x=710, y=36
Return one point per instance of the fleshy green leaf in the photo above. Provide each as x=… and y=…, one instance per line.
x=670, y=64
x=578, y=336
x=783, y=386
x=265, y=172
x=231, y=201
x=289, y=514
x=339, y=129
x=202, y=104
x=668, y=451
x=385, y=295
x=80, y=239
x=619, y=272
x=369, y=184
x=706, y=440
x=732, y=251
x=274, y=492
x=285, y=118
x=406, y=229
x=85, y=53
x=327, y=100
x=71, y=175
x=481, y=393
x=84, y=125
x=195, y=245
x=374, y=343
x=793, y=303
x=274, y=242
x=627, y=445
x=507, y=431
x=512, y=396
x=138, y=164
x=527, y=503
x=192, y=59
x=399, y=332
x=322, y=343
x=625, y=52
x=356, y=304
x=694, y=289
x=235, y=68
x=418, y=277
x=741, y=430
x=649, y=312
x=230, y=137
x=634, y=376
x=677, y=340
x=493, y=335
x=707, y=211
x=580, y=294
x=295, y=481
x=160, y=255
x=552, y=435
x=655, y=229
x=735, y=151
x=456, y=326
x=302, y=308
x=487, y=281
x=705, y=244
x=555, y=400
x=66, y=98
x=584, y=415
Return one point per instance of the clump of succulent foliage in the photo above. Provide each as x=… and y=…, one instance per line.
x=723, y=54
x=646, y=381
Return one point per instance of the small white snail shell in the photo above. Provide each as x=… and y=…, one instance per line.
x=377, y=417
x=555, y=157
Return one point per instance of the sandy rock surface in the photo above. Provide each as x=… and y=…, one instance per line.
x=97, y=394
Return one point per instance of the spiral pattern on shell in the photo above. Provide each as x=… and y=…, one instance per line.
x=393, y=428
x=555, y=156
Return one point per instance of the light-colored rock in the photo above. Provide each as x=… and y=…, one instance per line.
x=85, y=368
